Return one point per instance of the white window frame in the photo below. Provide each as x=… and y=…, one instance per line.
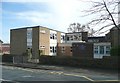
x=96, y=49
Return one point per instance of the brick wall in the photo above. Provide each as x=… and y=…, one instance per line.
x=82, y=49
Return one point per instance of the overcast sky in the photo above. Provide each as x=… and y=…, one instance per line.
x=54, y=14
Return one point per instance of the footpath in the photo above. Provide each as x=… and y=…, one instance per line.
x=60, y=68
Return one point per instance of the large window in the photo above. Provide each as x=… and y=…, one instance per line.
x=107, y=49
x=96, y=49
x=52, y=49
x=53, y=36
x=101, y=49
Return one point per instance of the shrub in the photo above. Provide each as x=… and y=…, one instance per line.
x=79, y=62
x=7, y=58
x=115, y=51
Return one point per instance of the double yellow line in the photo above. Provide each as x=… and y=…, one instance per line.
x=85, y=77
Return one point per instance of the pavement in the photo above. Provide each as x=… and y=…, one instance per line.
x=61, y=68
x=96, y=75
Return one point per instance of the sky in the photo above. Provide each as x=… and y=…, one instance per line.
x=54, y=14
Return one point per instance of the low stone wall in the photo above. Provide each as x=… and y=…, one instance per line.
x=19, y=59
x=7, y=58
x=105, y=63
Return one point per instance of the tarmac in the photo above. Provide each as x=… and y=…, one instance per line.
x=98, y=75
x=60, y=68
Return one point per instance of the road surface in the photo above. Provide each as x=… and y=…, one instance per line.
x=16, y=74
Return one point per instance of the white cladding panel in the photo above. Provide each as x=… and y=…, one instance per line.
x=29, y=37
x=53, y=42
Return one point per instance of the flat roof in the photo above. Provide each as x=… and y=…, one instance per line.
x=97, y=37
x=76, y=32
x=36, y=27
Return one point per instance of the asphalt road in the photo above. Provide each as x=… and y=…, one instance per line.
x=16, y=74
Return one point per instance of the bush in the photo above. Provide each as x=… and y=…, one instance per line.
x=7, y=58
x=80, y=62
x=115, y=51
x=65, y=61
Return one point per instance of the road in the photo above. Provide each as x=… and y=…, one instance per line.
x=15, y=74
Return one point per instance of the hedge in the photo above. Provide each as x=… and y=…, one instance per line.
x=115, y=51
x=105, y=63
x=7, y=58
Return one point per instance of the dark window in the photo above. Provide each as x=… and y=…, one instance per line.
x=107, y=49
x=101, y=49
x=71, y=49
x=51, y=49
x=51, y=36
x=55, y=49
x=67, y=38
x=63, y=37
x=96, y=49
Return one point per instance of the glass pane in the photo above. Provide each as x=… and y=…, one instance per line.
x=107, y=49
x=96, y=49
x=101, y=49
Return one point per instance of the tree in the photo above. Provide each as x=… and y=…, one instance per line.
x=115, y=51
x=107, y=10
x=77, y=27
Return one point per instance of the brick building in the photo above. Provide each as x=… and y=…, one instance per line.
x=41, y=40
x=6, y=48
x=1, y=46
x=37, y=39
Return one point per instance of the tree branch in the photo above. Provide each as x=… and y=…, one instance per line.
x=110, y=15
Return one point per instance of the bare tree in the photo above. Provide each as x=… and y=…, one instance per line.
x=77, y=27
x=107, y=10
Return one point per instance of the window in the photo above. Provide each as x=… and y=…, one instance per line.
x=67, y=38
x=63, y=37
x=62, y=49
x=51, y=36
x=55, y=49
x=55, y=36
x=51, y=49
x=101, y=49
x=71, y=49
x=71, y=37
x=107, y=49
x=96, y=49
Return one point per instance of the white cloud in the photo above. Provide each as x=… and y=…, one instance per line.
x=26, y=0
x=35, y=17
x=64, y=12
